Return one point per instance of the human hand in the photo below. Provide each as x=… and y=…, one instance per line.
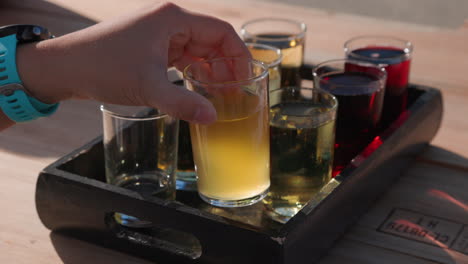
x=125, y=60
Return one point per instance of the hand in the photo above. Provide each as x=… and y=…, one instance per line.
x=125, y=60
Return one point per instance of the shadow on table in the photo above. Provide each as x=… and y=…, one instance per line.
x=446, y=158
x=75, y=124
x=422, y=219
x=72, y=251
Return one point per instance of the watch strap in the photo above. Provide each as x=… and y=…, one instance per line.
x=17, y=105
x=8, y=72
x=22, y=108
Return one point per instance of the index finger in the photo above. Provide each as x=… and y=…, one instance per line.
x=207, y=37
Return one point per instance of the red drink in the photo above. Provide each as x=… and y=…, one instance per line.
x=395, y=56
x=359, y=88
x=358, y=114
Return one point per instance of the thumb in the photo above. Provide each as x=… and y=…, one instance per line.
x=181, y=103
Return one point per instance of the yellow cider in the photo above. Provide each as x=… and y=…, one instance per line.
x=232, y=154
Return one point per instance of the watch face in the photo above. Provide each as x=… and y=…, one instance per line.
x=26, y=33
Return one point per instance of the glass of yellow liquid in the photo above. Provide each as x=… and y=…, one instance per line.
x=272, y=57
x=285, y=34
x=232, y=155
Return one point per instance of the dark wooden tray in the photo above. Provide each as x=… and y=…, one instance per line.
x=73, y=198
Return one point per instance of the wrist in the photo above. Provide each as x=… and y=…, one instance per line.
x=38, y=69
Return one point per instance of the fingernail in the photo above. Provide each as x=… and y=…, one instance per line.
x=204, y=115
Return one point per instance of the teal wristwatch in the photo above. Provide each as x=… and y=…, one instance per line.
x=15, y=102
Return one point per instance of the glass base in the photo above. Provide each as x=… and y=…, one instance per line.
x=234, y=203
x=186, y=180
x=148, y=185
x=282, y=214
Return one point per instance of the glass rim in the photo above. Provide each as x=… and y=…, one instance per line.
x=380, y=67
x=333, y=107
x=260, y=76
x=302, y=27
x=105, y=109
x=275, y=62
x=408, y=46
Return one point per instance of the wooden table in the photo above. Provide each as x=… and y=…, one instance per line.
x=433, y=191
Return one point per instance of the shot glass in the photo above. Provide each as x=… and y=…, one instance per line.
x=272, y=57
x=302, y=136
x=140, y=151
x=231, y=155
x=285, y=34
x=395, y=56
x=186, y=177
x=359, y=87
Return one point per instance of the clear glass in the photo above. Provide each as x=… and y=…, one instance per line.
x=285, y=34
x=359, y=87
x=140, y=152
x=302, y=136
x=186, y=177
x=232, y=155
x=272, y=57
x=395, y=56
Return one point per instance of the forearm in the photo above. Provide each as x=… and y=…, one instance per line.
x=35, y=69
x=124, y=61
x=94, y=63
x=42, y=72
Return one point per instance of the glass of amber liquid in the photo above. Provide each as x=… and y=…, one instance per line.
x=272, y=57
x=232, y=155
x=287, y=35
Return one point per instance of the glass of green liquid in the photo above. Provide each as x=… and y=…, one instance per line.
x=285, y=34
x=302, y=137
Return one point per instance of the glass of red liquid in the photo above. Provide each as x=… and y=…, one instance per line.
x=395, y=56
x=359, y=87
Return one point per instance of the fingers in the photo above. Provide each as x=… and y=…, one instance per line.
x=211, y=37
x=179, y=102
x=217, y=41
x=193, y=38
x=205, y=37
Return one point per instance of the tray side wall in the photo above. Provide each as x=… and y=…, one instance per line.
x=77, y=206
